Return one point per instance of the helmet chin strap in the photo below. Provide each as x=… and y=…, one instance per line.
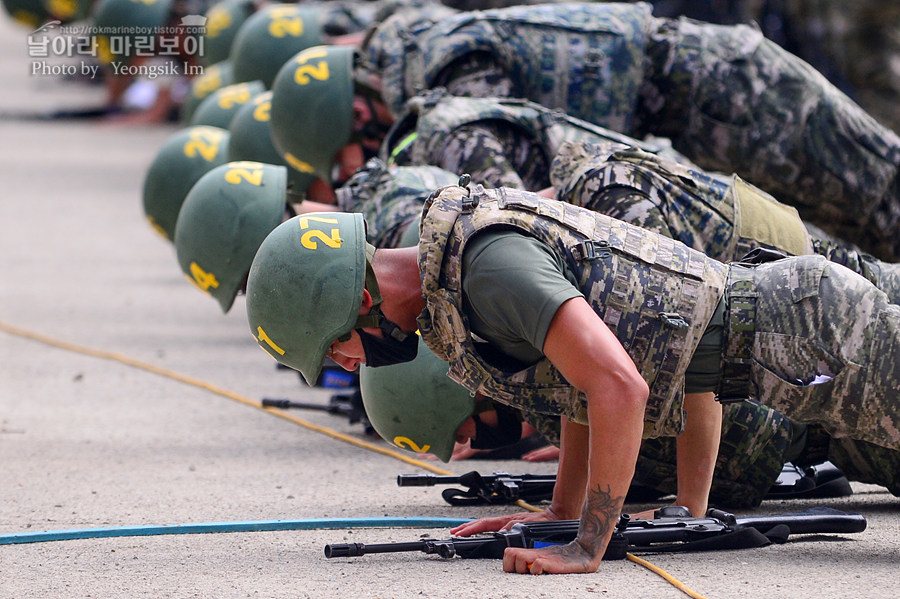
x=375, y=318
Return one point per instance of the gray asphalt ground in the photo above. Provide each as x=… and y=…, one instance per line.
x=89, y=442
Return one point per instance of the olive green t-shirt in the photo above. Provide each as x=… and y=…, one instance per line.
x=513, y=285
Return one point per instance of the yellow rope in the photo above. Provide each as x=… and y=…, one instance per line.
x=666, y=576
x=123, y=359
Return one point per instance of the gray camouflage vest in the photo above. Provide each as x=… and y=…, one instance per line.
x=586, y=59
x=655, y=294
x=723, y=218
x=438, y=113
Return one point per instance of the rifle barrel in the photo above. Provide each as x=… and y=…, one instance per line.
x=425, y=480
x=358, y=549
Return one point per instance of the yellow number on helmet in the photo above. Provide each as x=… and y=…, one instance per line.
x=283, y=26
x=205, y=142
x=202, y=279
x=407, y=443
x=263, y=338
x=300, y=165
x=251, y=172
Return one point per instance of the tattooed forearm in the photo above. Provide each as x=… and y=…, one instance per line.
x=599, y=516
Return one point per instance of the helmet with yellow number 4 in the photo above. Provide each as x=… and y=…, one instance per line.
x=415, y=405
x=305, y=287
x=223, y=221
x=184, y=157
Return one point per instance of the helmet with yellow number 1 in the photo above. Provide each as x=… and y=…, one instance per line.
x=224, y=219
x=415, y=405
x=185, y=156
x=305, y=287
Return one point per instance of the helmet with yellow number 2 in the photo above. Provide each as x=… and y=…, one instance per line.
x=312, y=108
x=224, y=219
x=415, y=405
x=305, y=287
x=184, y=157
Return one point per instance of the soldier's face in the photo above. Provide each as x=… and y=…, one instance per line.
x=466, y=431
x=347, y=354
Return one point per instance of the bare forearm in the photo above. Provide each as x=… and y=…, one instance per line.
x=614, y=447
x=571, y=476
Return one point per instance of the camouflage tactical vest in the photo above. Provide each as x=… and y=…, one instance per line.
x=724, y=218
x=655, y=294
x=586, y=59
x=437, y=114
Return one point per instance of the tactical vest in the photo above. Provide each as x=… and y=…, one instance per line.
x=723, y=218
x=655, y=294
x=586, y=59
x=389, y=198
x=437, y=114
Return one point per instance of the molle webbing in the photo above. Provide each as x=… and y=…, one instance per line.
x=655, y=294
x=740, y=320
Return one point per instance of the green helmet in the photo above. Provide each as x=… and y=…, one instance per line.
x=305, y=287
x=215, y=77
x=415, y=405
x=30, y=13
x=270, y=37
x=312, y=108
x=223, y=221
x=68, y=10
x=250, y=140
x=223, y=20
x=132, y=18
x=219, y=107
x=183, y=159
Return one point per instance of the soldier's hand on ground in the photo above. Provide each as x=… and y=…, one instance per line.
x=544, y=454
x=560, y=559
x=501, y=522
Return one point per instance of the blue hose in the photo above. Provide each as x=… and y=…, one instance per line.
x=220, y=527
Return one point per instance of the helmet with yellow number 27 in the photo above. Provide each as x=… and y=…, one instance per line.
x=306, y=285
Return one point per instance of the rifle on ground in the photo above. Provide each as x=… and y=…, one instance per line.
x=673, y=529
x=340, y=404
x=494, y=489
x=823, y=480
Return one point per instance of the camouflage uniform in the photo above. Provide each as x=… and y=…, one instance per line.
x=729, y=99
x=390, y=198
x=677, y=201
x=724, y=219
x=499, y=142
x=788, y=341
x=854, y=44
x=613, y=262
x=756, y=442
